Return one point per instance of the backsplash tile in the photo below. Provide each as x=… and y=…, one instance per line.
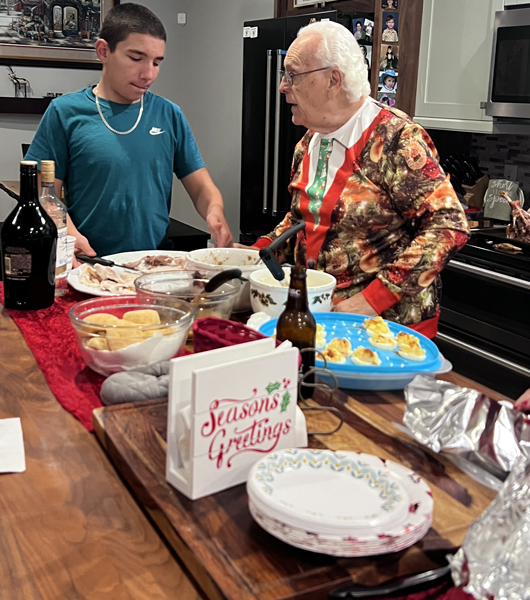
x=495, y=151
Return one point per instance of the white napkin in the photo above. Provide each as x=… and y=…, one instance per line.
x=12, y=458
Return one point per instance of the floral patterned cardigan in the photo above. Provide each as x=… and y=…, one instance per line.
x=390, y=227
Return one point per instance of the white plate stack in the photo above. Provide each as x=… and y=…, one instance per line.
x=339, y=503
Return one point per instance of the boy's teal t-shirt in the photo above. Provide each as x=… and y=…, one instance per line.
x=117, y=187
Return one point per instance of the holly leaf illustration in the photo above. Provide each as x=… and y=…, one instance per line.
x=286, y=399
x=272, y=387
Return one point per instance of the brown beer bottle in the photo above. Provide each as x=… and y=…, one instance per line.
x=297, y=324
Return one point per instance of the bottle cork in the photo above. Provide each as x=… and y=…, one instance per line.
x=47, y=171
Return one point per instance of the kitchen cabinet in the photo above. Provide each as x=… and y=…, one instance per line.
x=454, y=64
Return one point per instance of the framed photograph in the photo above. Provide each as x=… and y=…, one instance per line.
x=388, y=81
x=390, y=27
x=51, y=32
x=363, y=29
x=300, y=3
x=388, y=99
x=389, y=4
x=389, y=57
x=367, y=53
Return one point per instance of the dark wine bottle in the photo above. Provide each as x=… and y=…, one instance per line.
x=297, y=324
x=28, y=242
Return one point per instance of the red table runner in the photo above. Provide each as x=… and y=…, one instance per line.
x=53, y=342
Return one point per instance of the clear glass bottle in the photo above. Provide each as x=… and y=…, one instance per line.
x=297, y=323
x=57, y=211
x=28, y=242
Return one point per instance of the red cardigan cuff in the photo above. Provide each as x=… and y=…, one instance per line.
x=379, y=296
x=261, y=243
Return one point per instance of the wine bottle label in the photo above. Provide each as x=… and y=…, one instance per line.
x=17, y=263
x=62, y=256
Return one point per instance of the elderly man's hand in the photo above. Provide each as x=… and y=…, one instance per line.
x=357, y=304
x=523, y=402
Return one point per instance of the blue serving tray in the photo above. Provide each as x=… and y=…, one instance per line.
x=394, y=372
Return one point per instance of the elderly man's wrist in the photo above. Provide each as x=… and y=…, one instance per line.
x=379, y=296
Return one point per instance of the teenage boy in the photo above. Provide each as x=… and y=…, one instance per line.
x=117, y=145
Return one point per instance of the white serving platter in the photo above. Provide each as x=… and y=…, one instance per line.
x=74, y=276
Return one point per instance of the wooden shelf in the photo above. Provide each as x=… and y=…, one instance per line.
x=26, y=106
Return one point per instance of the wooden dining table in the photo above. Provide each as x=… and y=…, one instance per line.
x=69, y=527
x=232, y=558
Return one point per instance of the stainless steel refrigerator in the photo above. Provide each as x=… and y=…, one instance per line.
x=268, y=134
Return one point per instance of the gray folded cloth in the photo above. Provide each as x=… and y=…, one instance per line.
x=141, y=383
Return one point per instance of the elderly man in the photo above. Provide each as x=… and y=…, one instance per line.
x=381, y=215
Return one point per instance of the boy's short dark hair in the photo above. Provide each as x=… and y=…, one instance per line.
x=125, y=19
x=389, y=18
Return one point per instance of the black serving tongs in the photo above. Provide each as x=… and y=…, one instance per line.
x=407, y=585
x=267, y=254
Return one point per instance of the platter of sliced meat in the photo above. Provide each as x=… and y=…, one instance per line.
x=98, y=280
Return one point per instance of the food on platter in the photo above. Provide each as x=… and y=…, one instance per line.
x=159, y=262
x=510, y=248
x=119, y=281
x=407, y=339
x=409, y=347
x=382, y=342
x=342, y=345
x=107, y=279
x=377, y=325
x=414, y=352
x=365, y=357
x=115, y=333
x=334, y=356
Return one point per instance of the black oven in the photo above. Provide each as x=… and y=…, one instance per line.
x=485, y=319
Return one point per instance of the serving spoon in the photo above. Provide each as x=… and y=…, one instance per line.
x=215, y=282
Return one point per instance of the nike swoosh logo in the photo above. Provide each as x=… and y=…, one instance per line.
x=156, y=131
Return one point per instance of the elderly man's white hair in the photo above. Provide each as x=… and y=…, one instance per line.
x=338, y=48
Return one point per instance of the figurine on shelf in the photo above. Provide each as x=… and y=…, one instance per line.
x=22, y=86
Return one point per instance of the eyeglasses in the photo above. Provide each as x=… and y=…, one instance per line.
x=290, y=76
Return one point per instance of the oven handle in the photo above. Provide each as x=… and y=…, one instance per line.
x=508, y=364
x=500, y=277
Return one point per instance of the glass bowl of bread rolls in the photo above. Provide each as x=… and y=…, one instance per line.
x=123, y=332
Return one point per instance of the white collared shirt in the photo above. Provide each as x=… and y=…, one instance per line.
x=344, y=137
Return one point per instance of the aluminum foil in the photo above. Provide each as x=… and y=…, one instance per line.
x=493, y=561
x=464, y=422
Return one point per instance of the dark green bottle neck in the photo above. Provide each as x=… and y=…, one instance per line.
x=28, y=188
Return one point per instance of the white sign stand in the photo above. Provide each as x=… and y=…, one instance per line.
x=228, y=407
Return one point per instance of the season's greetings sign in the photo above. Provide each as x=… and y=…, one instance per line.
x=227, y=408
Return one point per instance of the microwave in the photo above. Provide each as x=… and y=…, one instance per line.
x=509, y=84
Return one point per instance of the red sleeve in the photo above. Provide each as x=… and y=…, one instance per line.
x=262, y=243
x=379, y=296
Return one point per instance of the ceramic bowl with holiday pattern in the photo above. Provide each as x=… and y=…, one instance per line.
x=269, y=295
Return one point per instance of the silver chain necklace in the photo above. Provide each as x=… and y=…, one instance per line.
x=111, y=128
